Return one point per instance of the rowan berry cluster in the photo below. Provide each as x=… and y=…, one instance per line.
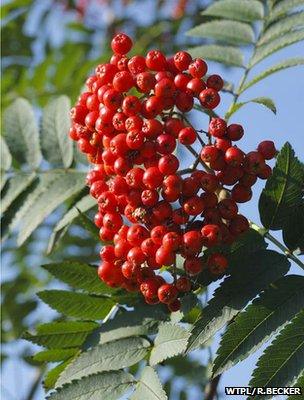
x=129, y=122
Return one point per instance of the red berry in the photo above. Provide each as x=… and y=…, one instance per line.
x=235, y=132
x=234, y=156
x=267, y=149
x=215, y=82
x=174, y=306
x=198, y=68
x=155, y=60
x=217, y=127
x=183, y=284
x=167, y=293
x=241, y=194
x=187, y=136
x=163, y=256
x=182, y=59
x=217, y=264
x=193, y=266
x=121, y=44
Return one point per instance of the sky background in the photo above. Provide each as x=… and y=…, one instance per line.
x=286, y=88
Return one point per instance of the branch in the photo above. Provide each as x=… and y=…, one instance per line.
x=35, y=384
x=211, y=389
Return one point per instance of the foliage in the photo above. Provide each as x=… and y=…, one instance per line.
x=105, y=342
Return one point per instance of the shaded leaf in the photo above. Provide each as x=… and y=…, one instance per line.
x=292, y=62
x=282, y=362
x=21, y=133
x=5, y=155
x=52, y=375
x=289, y=23
x=53, y=189
x=77, y=305
x=105, y=386
x=14, y=187
x=298, y=384
x=84, y=204
x=55, y=355
x=170, y=341
x=223, y=54
x=149, y=386
x=231, y=32
x=79, y=276
x=261, y=319
x=61, y=334
x=275, y=45
x=293, y=229
x=245, y=10
x=283, y=190
x=56, y=145
x=111, y=356
x=89, y=226
x=256, y=272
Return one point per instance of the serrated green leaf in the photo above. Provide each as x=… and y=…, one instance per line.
x=245, y=10
x=55, y=355
x=61, y=334
x=282, y=362
x=223, y=54
x=298, y=384
x=283, y=8
x=227, y=31
x=89, y=226
x=86, y=203
x=149, y=387
x=265, y=101
x=56, y=145
x=275, y=45
x=77, y=305
x=283, y=190
x=262, y=319
x=105, y=386
x=14, y=187
x=53, y=189
x=142, y=321
x=5, y=155
x=79, y=276
x=288, y=24
x=52, y=375
x=292, y=62
x=111, y=356
x=21, y=133
x=170, y=341
x=293, y=229
x=256, y=271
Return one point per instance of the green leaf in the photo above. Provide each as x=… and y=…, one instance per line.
x=265, y=101
x=292, y=62
x=89, y=226
x=14, y=187
x=105, y=386
x=288, y=24
x=256, y=271
x=61, y=334
x=142, y=321
x=298, y=384
x=111, y=356
x=55, y=355
x=170, y=341
x=275, y=45
x=5, y=155
x=149, y=387
x=21, y=133
x=223, y=54
x=56, y=145
x=77, y=305
x=245, y=10
x=263, y=318
x=79, y=276
x=283, y=190
x=84, y=204
x=47, y=196
x=293, y=229
x=282, y=362
x=52, y=375
x=231, y=32
x=283, y=8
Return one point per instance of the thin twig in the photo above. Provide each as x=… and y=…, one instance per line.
x=211, y=390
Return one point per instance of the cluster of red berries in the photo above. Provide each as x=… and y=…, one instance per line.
x=128, y=122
